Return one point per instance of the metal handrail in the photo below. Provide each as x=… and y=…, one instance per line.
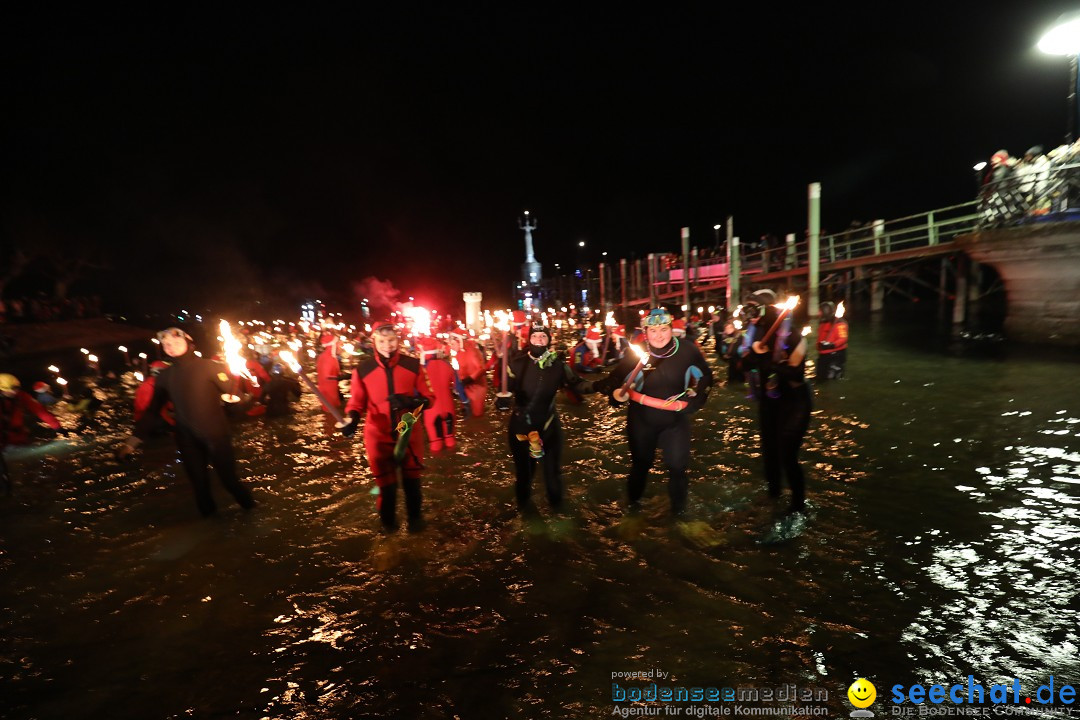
x=911, y=231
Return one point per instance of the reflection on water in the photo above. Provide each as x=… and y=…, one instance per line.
x=940, y=543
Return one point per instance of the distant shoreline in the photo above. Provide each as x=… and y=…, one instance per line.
x=33, y=339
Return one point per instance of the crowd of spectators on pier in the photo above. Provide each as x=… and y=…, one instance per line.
x=43, y=309
x=1037, y=184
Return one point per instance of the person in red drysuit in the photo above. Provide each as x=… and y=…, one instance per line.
x=14, y=405
x=328, y=370
x=832, y=342
x=438, y=417
x=585, y=356
x=471, y=371
x=383, y=388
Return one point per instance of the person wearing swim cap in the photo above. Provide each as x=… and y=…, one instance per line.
x=662, y=396
x=196, y=386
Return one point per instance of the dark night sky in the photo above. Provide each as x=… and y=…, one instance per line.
x=308, y=149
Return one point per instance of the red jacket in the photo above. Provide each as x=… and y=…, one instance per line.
x=370, y=390
x=471, y=362
x=144, y=395
x=13, y=429
x=440, y=374
x=835, y=332
x=471, y=365
x=260, y=374
x=327, y=370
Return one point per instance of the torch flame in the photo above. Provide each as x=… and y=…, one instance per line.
x=610, y=320
x=641, y=353
x=236, y=362
x=806, y=330
x=289, y=359
x=790, y=303
x=840, y=310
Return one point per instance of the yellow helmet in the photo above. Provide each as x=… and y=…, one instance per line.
x=8, y=383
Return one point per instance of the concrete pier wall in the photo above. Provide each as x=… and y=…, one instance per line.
x=1040, y=267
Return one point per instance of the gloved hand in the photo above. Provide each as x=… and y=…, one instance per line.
x=128, y=448
x=400, y=402
x=825, y=345
x=467, y=381
x=349, y=428
x=397, y=403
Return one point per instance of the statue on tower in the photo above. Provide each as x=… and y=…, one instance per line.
x=530, y=269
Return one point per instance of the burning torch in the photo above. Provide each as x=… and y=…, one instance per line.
x=609, y=325
x=787, y=307
x=502, y=398
x=623, y=393
x=236, y=362
x=289, y=359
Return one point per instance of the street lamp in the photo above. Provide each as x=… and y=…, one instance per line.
x=1064, y=39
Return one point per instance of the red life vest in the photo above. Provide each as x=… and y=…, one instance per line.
x=835, y=332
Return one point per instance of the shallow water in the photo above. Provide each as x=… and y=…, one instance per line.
x=941, y=543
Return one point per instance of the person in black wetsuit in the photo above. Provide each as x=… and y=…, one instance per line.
x=777, y=374
x=535, y=435
x=195, y=386
x=673, y=385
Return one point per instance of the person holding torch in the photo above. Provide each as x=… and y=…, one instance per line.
x=778, y=359
x=534, y=432
x=664, y=383
x=391, y=390
x=832, y=342
x=196, y=387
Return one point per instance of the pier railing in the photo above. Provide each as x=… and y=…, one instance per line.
x=878, y=238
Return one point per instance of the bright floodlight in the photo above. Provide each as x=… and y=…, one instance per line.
x=715, y=227
x=581, y=244
x=1064, y=37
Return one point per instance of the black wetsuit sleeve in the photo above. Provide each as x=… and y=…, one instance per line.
x=575, y=382
x=704, y=383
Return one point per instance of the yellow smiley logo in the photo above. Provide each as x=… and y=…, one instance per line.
x=862, y=693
